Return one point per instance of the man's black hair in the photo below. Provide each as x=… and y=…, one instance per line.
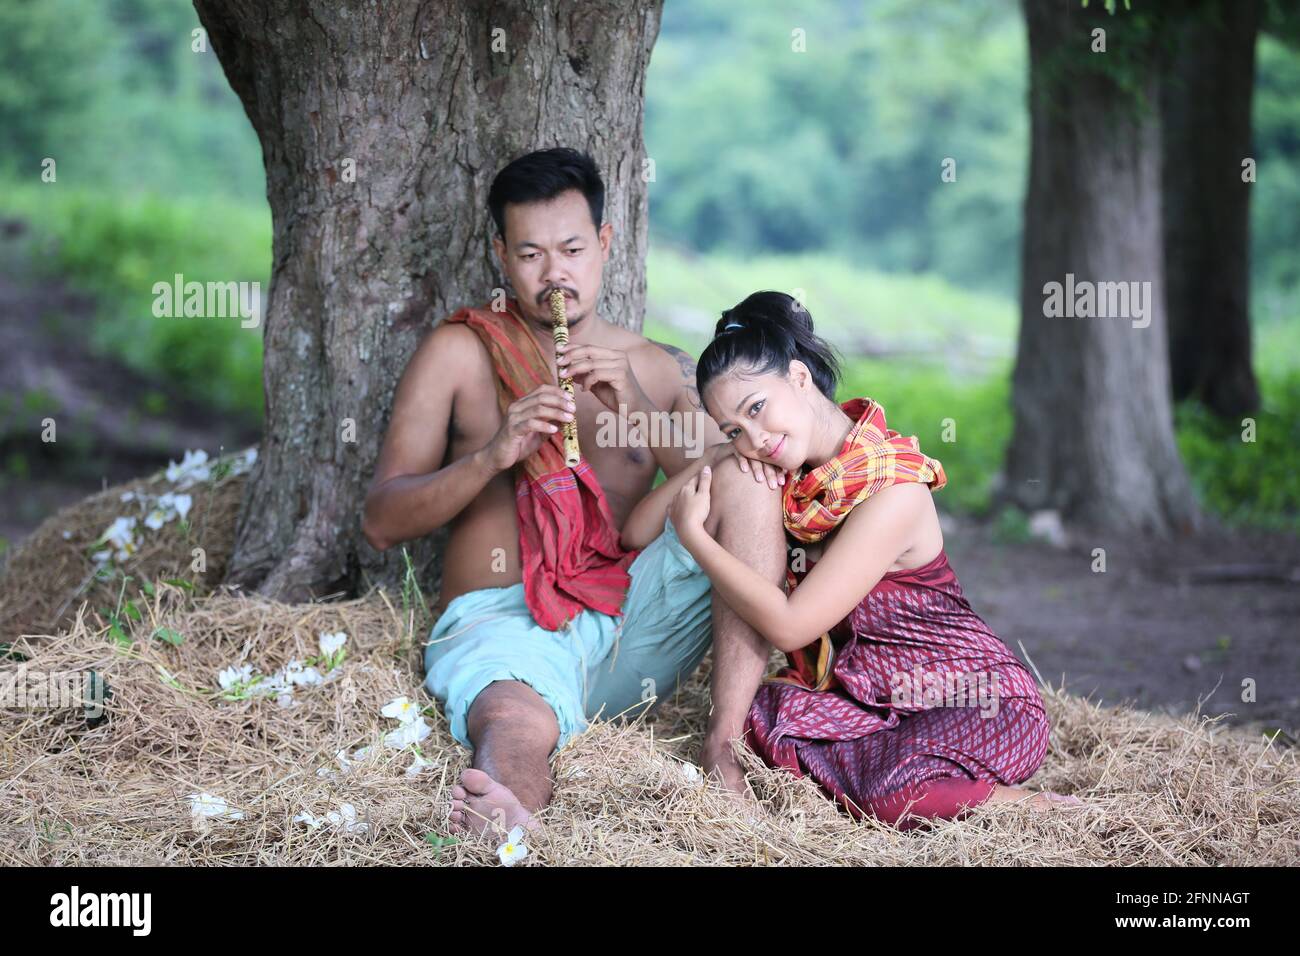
x=543, y=175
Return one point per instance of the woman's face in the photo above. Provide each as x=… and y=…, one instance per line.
x=769, y=416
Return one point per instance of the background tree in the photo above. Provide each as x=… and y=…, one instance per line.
x=1206, y=128
x=1093, y=433
x=425, y=102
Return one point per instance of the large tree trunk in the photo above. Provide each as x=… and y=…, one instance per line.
x=424, y=100
x=1093, y=432
x=1206, y=103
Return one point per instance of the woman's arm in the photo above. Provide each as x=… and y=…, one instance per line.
x=646, y=522
x=871, y=539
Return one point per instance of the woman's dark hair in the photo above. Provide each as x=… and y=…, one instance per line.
x=543, y=175
x=763, y=334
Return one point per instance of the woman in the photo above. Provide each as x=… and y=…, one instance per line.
x=898, y=699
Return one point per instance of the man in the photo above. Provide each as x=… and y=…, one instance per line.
x=545, y=617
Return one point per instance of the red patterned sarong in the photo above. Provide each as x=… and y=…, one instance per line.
x=568, y=542
x=924, y=710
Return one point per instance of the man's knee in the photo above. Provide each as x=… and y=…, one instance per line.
x=736, y=492
x=513, y=705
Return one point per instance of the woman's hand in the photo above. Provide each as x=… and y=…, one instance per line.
x=761, y=470
x=691, y=506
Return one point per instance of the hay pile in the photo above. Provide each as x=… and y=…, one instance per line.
x=47, y=577
x=1160, y=791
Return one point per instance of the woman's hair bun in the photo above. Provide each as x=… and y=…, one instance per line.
x=764, y=333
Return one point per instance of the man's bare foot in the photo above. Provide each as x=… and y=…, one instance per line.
x=721, y=765
x=481, y=805
x=1034, y=799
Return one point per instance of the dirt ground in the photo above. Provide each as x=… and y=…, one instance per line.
x=1148, y=631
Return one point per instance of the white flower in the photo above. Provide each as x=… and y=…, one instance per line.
x=296, y=674
x=121, y=535
x=127, y=496
x=401, y=708
x=193, y=467
x=411, y=732
x=417, y=765
x=101, y=557
x=241, y=464
x=232, y=676
x=329, y=643
x=285, y=700
x=347, y=818
x=691, y=773
x=67, y=535
x=269, y=686
x=174, y=505
x=345, y=761
x=155, y=519
x=514, y=849
x=203, y=805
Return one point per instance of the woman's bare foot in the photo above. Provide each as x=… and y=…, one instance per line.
x=1034, y=799
x=721, y=765
x=481, y=805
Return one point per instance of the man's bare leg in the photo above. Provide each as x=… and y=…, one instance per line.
x=513, y=731
x=745, y=518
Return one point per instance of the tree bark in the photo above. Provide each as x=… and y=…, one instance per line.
x=424, y=100
x=1093, y=434
x=1206, y=113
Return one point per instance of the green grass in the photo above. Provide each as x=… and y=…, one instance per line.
x=116, y=247
x=848, y=302
x=1248, y=482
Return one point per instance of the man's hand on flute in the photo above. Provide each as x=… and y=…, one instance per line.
x=606, y=373
x=528, y=422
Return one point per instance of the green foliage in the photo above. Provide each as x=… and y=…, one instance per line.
x=1257, y=482
x=1275, y=220
x=1011, y=526
x=117, y=246
x=113, y=92
x=921, y=400
x=760, y=147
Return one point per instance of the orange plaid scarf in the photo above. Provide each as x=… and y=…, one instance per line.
x=872, y=458
x=568, y=542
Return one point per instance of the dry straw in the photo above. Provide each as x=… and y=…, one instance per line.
x=1159, y=790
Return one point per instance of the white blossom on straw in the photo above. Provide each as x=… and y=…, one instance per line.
x=411, y=732
x=402, y=709
x=329, y=643
x=233, y=676
x=346, y=816
x=514, y=849
x=193, y=467
x=418, y=764
x=207, y=805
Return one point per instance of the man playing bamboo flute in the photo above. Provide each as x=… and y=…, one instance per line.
x=554, y=608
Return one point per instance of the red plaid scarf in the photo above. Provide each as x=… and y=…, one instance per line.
x=567, y=540
x=872, y=458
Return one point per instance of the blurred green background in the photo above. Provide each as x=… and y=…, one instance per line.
x=820, y=182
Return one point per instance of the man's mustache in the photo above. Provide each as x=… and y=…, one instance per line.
x=546, y=294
